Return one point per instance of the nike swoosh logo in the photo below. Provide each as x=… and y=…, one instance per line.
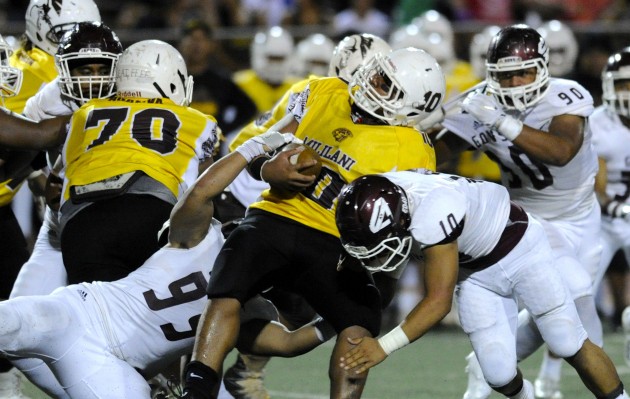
x=193, y=375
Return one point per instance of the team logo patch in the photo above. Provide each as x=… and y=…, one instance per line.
x=341, y=134
x=381, y=217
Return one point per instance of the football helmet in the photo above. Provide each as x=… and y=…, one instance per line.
x=271, y=53
x=352, y=51
x=617, y=69
x=478, y=49
x=563, y=47
x=515, y=48
x=373, y=219
x=48, y=20
x=313, y=55
x=432, y=21
x=400, y=88
x=154, y=69
x=10, y=77
x=88, y=43
x=433, y=43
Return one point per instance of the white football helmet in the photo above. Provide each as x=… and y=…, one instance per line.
x=48, y=20
x=271, y=53
x=478, y=49
x=432, y=21
x=433, y=43
x=352, y=51
x=400, y=88
x=617, y=69
x=313, y=55
x=10, y=77
x=88, y=43
x=563, y=47
x=154, y=69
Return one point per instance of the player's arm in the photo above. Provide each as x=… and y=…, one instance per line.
x=448, y=146
x=20, y=133
x=610, y=206
x=440, y=277
x=556, y=147
x=193, y=213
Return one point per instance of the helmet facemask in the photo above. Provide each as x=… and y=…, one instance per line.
x=617, y=100
x=519, y=97
x=10, y=77
x=85, y=87
x=387, y=256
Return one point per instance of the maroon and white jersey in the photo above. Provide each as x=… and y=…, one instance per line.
x=49, y=103
x=439, y=202
x=550, y=192
x=611, y=139
x=149, y=318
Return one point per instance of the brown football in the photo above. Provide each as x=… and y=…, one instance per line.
x=307, y=154
x=303, y=156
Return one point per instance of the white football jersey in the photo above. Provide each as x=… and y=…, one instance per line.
x=49, y=103
x=551, y=192
x=438, y=202
x=150, y=316
x=611, y=139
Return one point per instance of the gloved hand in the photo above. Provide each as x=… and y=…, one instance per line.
x=485, y=109
x=263, y=143
x=433, y=119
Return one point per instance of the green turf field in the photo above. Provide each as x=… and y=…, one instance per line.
x=431, y=368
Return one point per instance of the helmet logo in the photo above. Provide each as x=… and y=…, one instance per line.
x=381, y=216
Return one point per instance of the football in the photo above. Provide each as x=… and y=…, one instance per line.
x=303, y=156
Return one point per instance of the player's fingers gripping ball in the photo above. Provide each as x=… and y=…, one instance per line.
x=308, y=154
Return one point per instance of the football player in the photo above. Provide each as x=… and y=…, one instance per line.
x=244, y=380
x=45, y=21
x=534, y=127
x=563, y=47
x=291, y=242
x=270, y=74
x=610, y=124
x=313, y=54
x=383, y=219
x=86, y=59
x=121, y=332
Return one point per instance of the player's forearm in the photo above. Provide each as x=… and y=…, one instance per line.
x=18, y=132
x=548, y=148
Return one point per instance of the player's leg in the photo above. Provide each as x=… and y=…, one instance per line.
x=490, y=321
x=14, y=253
x=44, y=271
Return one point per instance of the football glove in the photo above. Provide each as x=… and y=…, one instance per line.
x=266, y=142
x=485, y=109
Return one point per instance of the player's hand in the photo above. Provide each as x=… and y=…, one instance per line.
x=487, y=111
x=484, y=108
x=366, y=354
x=433, y=119
x=263, y=143
x=281, y=173
x=52, y=193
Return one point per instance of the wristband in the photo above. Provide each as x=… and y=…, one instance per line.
x=255, y=166
x=393, y=340
x=510, y=127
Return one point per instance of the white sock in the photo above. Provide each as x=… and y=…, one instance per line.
x=551, y=367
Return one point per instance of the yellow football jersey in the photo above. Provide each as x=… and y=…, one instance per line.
x=109, y=137
x=38, y=68
x=347, y=150
x=262, y=94
x=473, y=164
x=268, y=119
